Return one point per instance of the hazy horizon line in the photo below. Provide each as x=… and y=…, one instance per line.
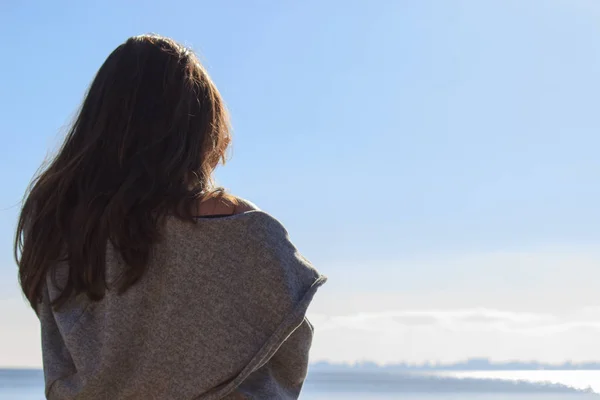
x=482, y=363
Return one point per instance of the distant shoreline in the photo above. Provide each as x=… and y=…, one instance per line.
x=476, y=364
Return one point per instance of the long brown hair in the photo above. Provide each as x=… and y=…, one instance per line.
x=144, y=144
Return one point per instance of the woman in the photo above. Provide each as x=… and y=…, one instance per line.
x=149, y=282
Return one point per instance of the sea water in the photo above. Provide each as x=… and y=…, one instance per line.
x=471, y=385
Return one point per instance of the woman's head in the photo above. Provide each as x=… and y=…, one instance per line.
x=147, y=138
x=152, y=107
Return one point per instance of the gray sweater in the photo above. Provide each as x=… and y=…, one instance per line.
x=219, y=314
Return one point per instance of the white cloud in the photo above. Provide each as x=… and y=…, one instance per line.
x=451, y=335
x=479, y=318
x=539, y=304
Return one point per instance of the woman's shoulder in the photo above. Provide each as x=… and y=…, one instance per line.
x=224, y=205
x=233, y=214
x=229, y=214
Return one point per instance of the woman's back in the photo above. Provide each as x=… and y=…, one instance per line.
x=217, y=301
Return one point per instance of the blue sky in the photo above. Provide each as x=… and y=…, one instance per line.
x=437, y=159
